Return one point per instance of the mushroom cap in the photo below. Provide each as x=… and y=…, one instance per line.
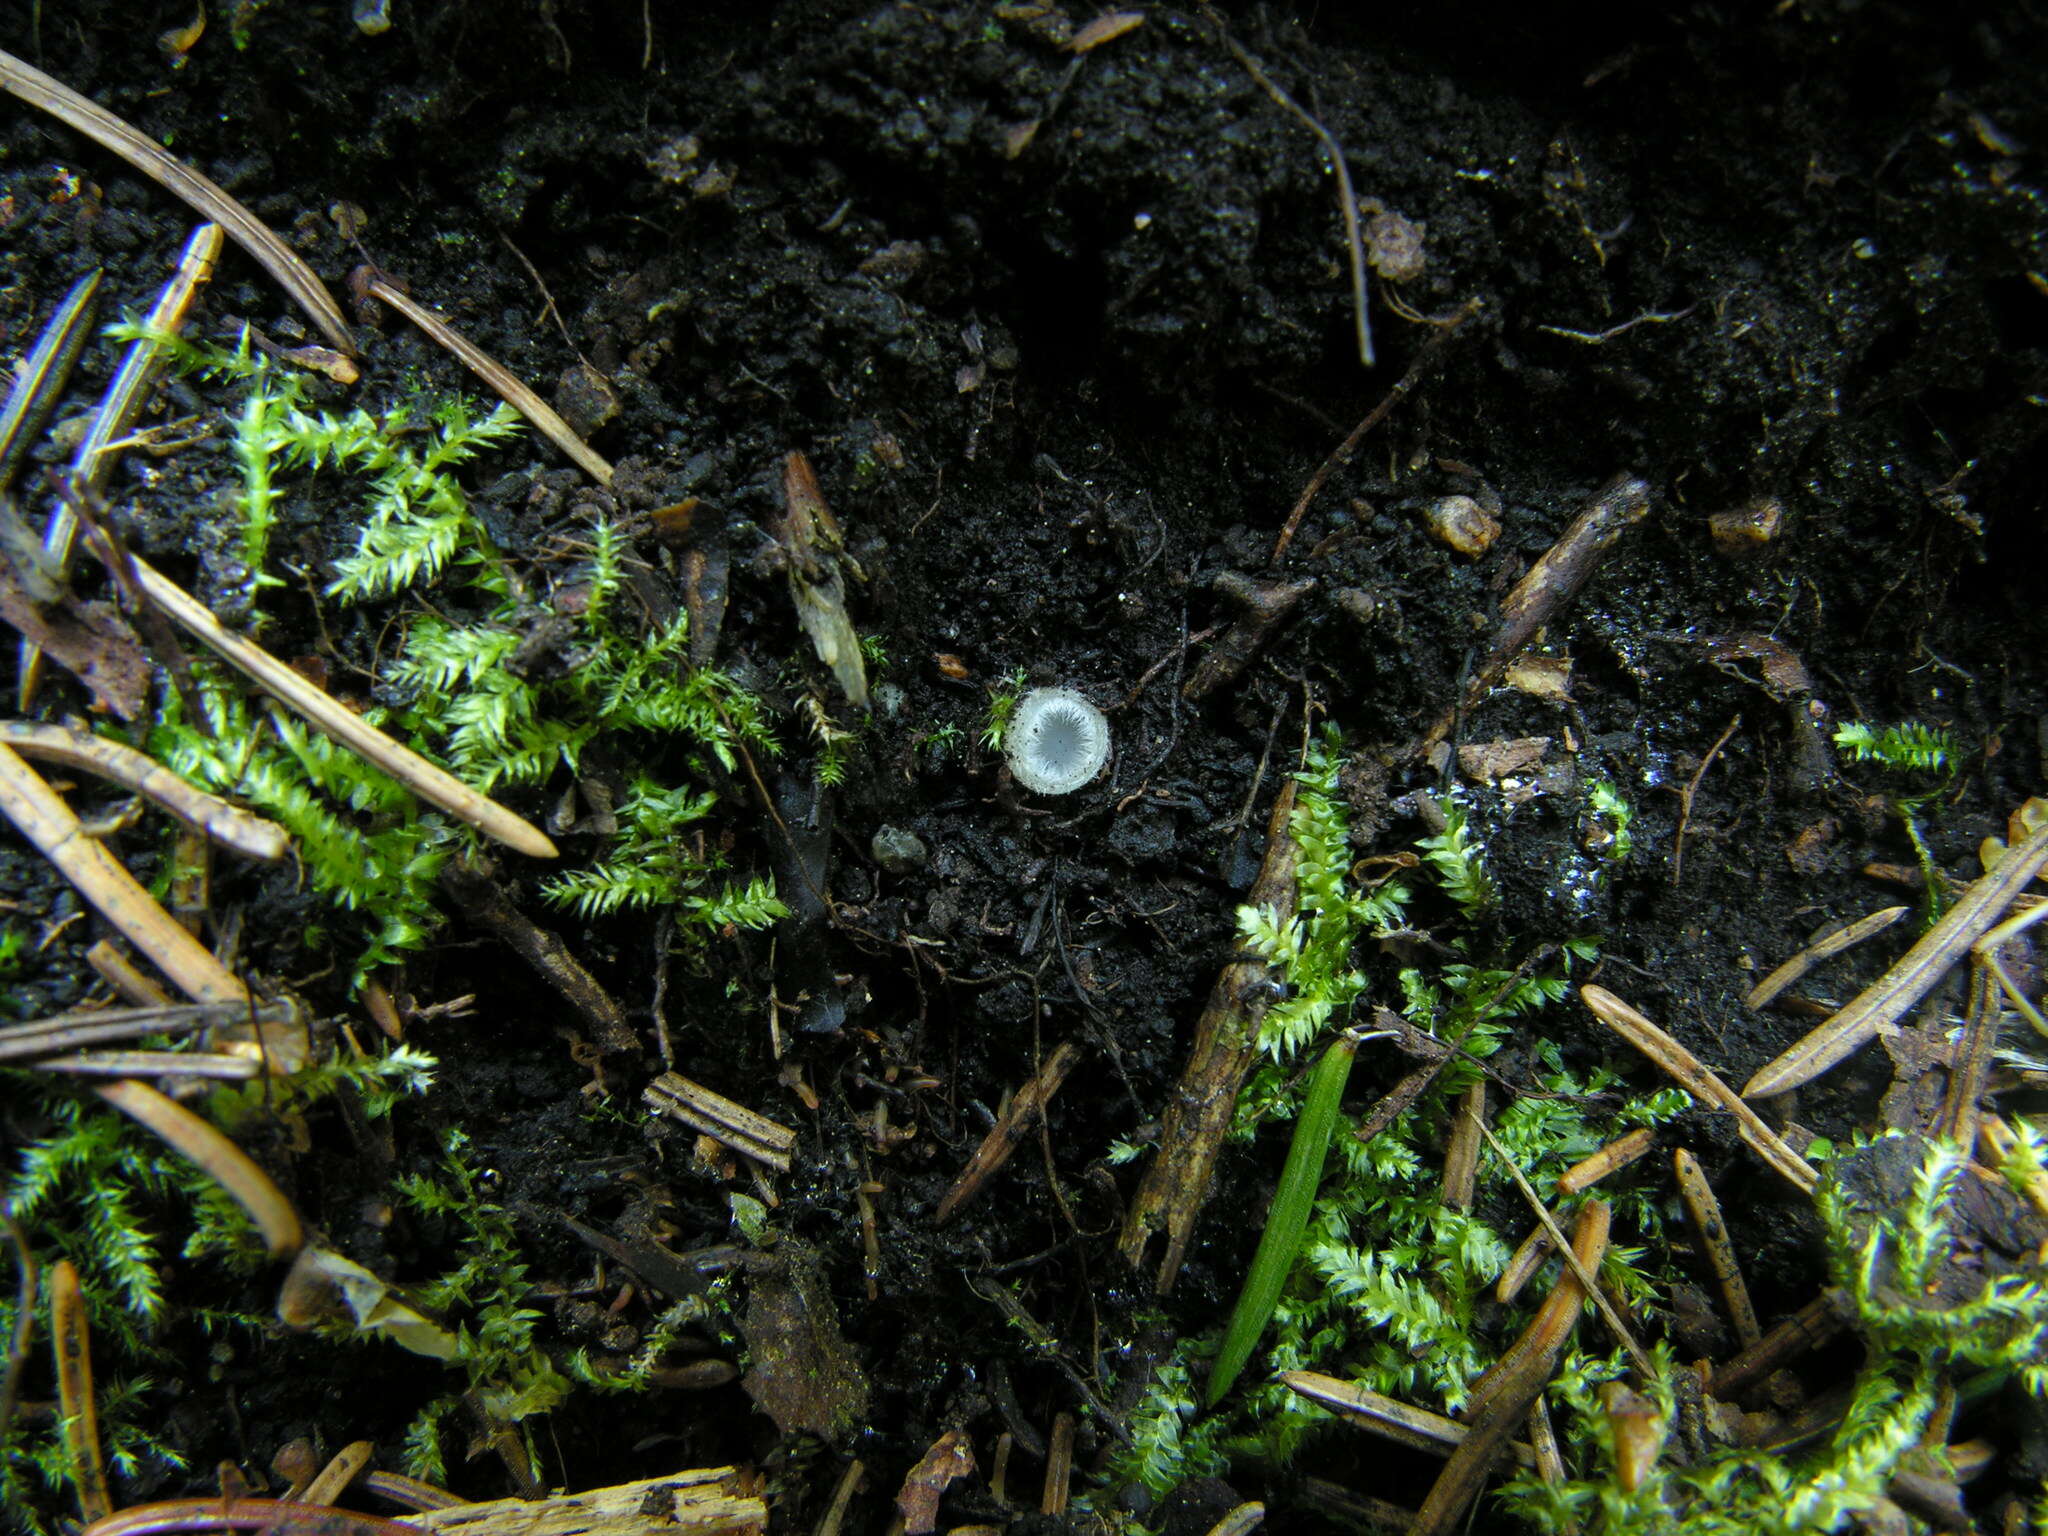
x=1057, y=741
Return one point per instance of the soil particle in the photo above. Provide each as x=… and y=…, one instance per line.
x=1060, y=391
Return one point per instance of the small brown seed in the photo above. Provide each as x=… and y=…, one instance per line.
x=1745, y=529
x=1462, y=523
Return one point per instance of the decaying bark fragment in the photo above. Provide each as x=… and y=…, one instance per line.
x=1551, y=583
x=695, y=1503
x=734, y=1125
x=1226, y=1041
x=89, y=640
x=817, y=562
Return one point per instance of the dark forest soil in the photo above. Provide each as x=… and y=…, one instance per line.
x=1052, y=392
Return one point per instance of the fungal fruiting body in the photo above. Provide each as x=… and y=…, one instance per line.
x=1057, y=741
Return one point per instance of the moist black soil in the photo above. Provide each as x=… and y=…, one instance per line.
x=1065, y=336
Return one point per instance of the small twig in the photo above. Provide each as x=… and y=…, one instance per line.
x=549, y=311
x=46, y=821
x=1821, y=949
x=1425, y=358
x=1686, y=1069
x=1513, y=1385
x=209, y=1064
x=834, y=1518
x=1347, y=203
x=1596, y=338
x=64, y=1032
x=222, y=1161
x=1198, y=1115
x=472, y=882
x=1901, y=987
x=148, y=157
x=1551, y=582
x=71, y=1344
x=1685, y=798
x=1712, y=1230
x=494, y=373
x=1027, y=1106
x=1808, y=1328
x=119, y=763
x=174, y=1516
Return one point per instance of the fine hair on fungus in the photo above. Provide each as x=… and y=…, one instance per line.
x=1057, y=741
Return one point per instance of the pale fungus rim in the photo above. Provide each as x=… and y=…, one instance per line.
x=1057, y=741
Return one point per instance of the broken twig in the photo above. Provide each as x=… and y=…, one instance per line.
x=1426, y=358
x=1347, y=203
x=1513, y=1385
x=472, y=881
x=1550, y=583
x=1010, y=1128
x=1197, y=1117
x=733, y=1125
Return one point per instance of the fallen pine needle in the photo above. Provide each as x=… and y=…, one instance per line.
x=1587, y=1278
x=46, y=821
x=494, y=373
x=71, y=1343
x=126, y=394
x=118, y=763
x=332, y=718
x=171, y=173
x=1686, y=1069
x=1879, y=1004
x=1705, y=1210
x=1822, y=949
x=224, y=1162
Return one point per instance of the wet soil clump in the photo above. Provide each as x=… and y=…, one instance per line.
x=1065, y=335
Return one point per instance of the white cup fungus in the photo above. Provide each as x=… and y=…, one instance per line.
x=1057, y=741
